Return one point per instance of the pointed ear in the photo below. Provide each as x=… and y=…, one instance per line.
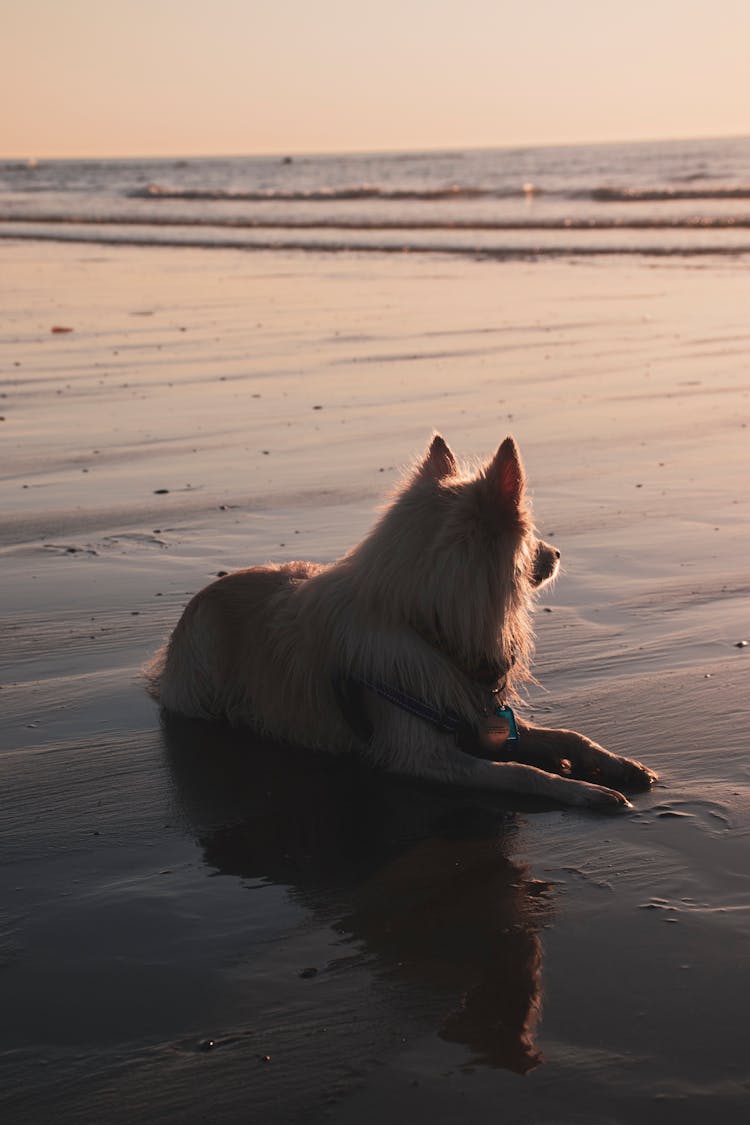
x=505, y=474
x=439, y=462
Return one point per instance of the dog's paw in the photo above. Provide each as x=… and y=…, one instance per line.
x=599, y=797
x=626, y=774
x=636, y=776
x=604, y=768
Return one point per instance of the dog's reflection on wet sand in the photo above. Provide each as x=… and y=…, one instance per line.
x=417, y=879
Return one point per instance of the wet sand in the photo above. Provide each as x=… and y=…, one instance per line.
x=198, y=927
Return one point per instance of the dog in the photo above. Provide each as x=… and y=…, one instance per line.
x=407, y=651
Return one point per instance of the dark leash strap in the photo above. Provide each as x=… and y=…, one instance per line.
x=350, y=696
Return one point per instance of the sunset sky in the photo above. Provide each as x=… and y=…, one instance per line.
x=192, y=77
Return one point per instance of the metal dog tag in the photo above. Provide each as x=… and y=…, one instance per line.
x=506, y=714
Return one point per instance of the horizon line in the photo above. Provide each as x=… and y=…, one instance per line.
x=32, y=158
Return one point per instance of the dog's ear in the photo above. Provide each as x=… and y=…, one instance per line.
x=439, y=462
x=505, y=474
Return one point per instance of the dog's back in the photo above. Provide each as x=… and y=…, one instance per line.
x=222, y=647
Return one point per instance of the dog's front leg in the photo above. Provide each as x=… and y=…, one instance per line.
x=516, y=777
x=407, y=745
x=588, y=760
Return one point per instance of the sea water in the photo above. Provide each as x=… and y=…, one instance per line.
x=670, y=198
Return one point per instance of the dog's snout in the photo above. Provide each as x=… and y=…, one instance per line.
x=545, y=564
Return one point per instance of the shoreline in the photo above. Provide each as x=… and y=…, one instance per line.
x=475, y=252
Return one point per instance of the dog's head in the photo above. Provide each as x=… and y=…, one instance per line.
x=456, y=555
x=494, y=501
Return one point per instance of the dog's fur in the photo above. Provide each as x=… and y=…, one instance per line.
x=443, y=585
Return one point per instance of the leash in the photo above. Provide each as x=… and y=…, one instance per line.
x=348, y=691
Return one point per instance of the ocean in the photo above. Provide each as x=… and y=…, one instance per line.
x=681, y=198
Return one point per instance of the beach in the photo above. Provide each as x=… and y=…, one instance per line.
x=196, y=926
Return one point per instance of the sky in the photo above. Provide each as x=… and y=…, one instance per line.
x=213, y=77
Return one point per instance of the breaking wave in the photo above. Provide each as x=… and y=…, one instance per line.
x=665, y=195
x=316, y=195
x=364, y=192
x=363, y=223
